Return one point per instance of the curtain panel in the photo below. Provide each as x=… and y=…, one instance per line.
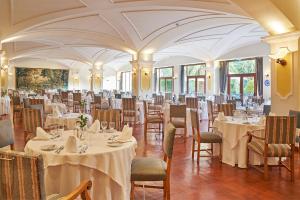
x=182, y=79
x=121, y=81
x=223, y=76
x=155, y=79
x=259, y=75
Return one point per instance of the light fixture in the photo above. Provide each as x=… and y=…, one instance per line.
x=4, y=62
x=267, y=75
x=279, y=55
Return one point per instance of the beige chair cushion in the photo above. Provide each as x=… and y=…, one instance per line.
x=274, y=150
x=178, y=122
x=154, y=119
x=148, y=169
x=209, y=137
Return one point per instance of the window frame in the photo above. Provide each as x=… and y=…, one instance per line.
x=124, y=74
x=196, y=78
x=165, y=78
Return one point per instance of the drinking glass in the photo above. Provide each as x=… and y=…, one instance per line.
x=104, y=125
x=112, y=125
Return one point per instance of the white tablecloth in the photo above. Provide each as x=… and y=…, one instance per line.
x=69, y=120
x=107, y=167
x=5, y=105
x=234, y=147
x=49, y=107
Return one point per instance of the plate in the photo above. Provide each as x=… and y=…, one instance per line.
x=110, y=131
x=114, y=144
x=49, y=147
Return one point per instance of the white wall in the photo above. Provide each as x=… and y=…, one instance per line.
x=110, y=82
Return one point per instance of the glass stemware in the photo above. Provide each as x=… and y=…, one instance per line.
x=104, y=125
x=112, y=126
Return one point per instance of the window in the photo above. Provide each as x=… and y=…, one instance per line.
x=242, y=78
x=195, y=81
x=165, y=79
x=126, y=81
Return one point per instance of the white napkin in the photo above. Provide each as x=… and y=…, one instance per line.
x=41, y=134
x=56, y=112
x=221, y=116
x=71, y=144
x=126, y=134
x=45, y=97
x=262, y=120
x=95, y=127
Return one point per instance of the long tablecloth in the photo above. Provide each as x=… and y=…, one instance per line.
x=68, y=120
x=107, y=167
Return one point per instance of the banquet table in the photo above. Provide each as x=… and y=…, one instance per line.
x=107, y=167
x=5, y=105
x=234, y=147
x=50, y=106
x=68, y=120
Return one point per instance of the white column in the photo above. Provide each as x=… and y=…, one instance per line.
x=216, y=77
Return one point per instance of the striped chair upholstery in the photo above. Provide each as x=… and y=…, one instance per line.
x=111, y=115
x=129, y=110
x=181, y=98
x=31, y=120
x=274, y=150
x=57, y=98
x=6, y=133
x=17, y=106
x=64, y=97
x=192, y=102
x=76, y=102
x=233, y=102
x=297, y=114
x=36, y=101
x=23, y=176
x=159, y=100
x=227, y=108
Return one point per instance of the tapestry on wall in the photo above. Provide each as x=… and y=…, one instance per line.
x=36, y=78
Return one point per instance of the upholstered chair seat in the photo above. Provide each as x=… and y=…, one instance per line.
x=178, y=122
x=148, y=169
x=208, y=137
x=154, y=119
x=274, y=150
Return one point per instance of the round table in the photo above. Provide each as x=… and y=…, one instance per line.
x=234, y=147
x=68, y=120
x=107, y=167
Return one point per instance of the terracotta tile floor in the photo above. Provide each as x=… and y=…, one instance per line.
x=210, y=180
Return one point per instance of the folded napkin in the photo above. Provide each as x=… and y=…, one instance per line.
x=56, y=112
x=95, y=127
x=41, y=134
x=71, y=144
x=221, y=116
x=125, y=135
x=272, y=114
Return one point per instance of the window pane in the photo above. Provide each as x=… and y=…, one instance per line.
x=192, y=85
x=200, y=86
x=241, y=66
x=169, y=86
x=235, y=87
x=162, y=85
x=196, y=70
x=166, y=72
x=248, y=84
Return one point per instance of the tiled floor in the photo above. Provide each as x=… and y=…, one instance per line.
x=211, y=179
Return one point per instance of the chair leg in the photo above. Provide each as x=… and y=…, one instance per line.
x=193, y=149
x=247, y=159
x=168, y=195
x=266, y=168
x=132, y=191
x=212, y=149
x=292, y=163
x=165, y=190
x=145, y=131
x=198, y=152
x=185, y=133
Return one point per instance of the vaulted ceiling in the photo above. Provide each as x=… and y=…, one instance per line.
x=108, y=31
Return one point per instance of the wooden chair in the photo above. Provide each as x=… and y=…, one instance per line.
x=211, y=114
x=129, y=110
x=168, y=96
x=296, y=114
x=153, y=169
x=181, y=98
x=152, y=118
x=226, y=108
x=56, y=98
x=279, y=141
x=17, y=107
x=23, y=178
x=233, y=102
x=203, y=137
x=37, y=102
x=76, y=102
x=65, y=97
x=6, y=134
x=111, y=115
x=178, y=117
x=192, y=102
x=31, y=120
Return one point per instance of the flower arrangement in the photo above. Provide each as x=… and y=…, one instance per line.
x=82, y=122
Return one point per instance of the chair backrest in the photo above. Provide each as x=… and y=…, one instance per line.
x=168, y=142
x=16, y=100
x=64, y=95
x=57, y=98
x=145, y=105
x=177, y=111
x=129, y=104
x=111, y=115
x=210, y=109
x=97, y=99
x=233, y=102
x=32, y=118
x=168, y=96
x=297, y=114
x=37, y=102
x=77, y=97
x=195, y=123
x=159, y=100
x=266, y=109
x=280, y=129
x=23, y=176
x=6, y=133
x=226, y=108
x=192, y=102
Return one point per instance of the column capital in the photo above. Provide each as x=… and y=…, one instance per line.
x=289, y=40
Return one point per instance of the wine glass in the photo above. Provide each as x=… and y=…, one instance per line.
x=104, y=125
x=112, y=126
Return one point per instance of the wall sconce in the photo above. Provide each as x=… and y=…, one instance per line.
x=175, y=77
x=4, y=62
x=267, y=75
x=146, y=73
x=279, y=55
x=208, y=76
